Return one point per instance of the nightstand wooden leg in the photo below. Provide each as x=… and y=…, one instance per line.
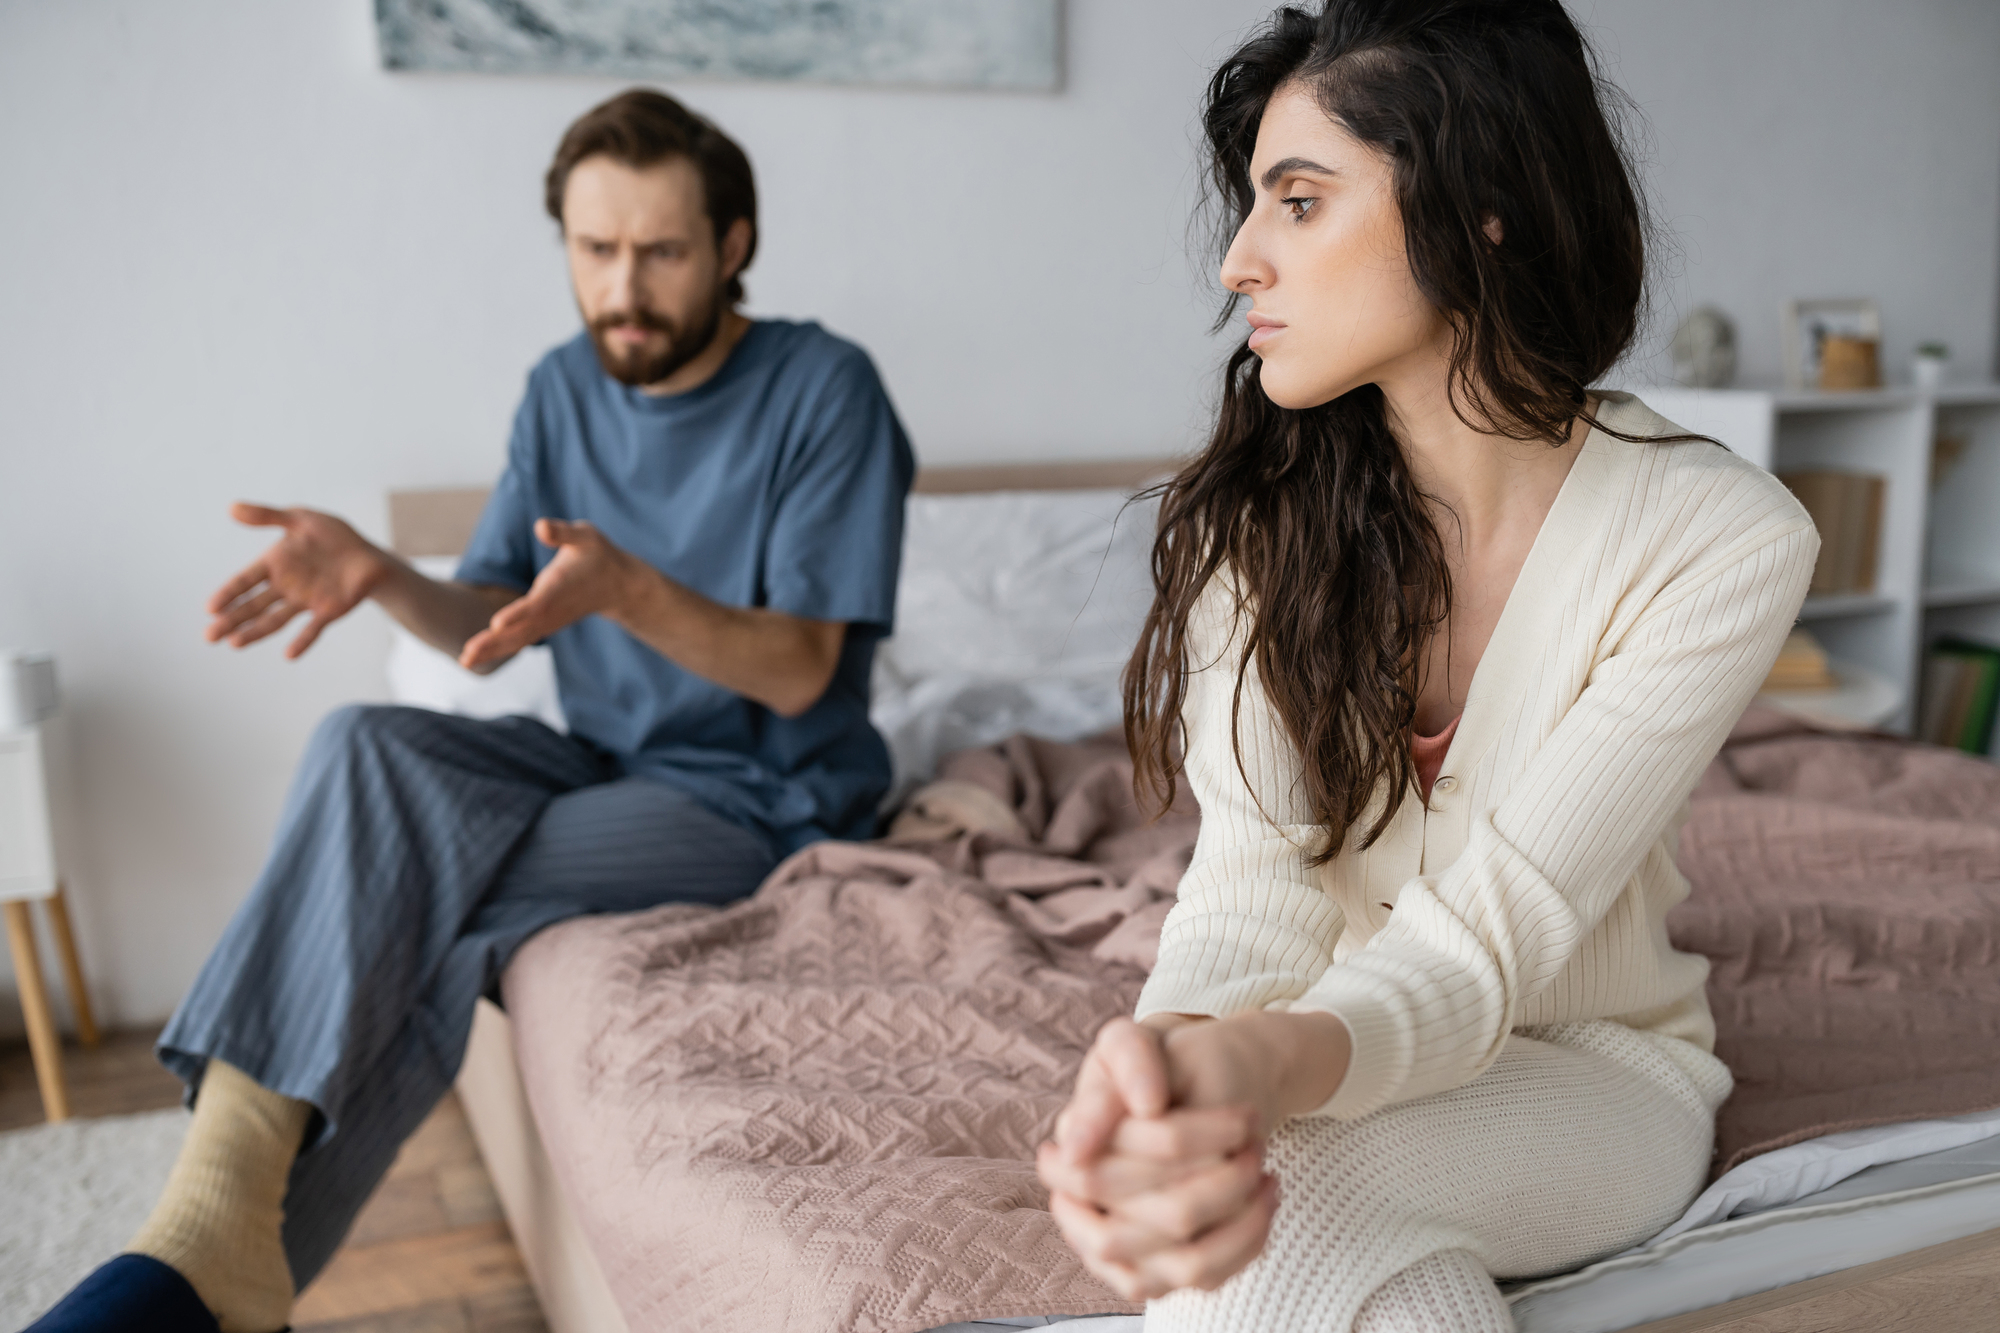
x=72, y=966
x=42, y=1039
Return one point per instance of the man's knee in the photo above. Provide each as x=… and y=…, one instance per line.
x=355, y=727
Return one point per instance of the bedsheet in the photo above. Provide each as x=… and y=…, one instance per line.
x=1887, y=1210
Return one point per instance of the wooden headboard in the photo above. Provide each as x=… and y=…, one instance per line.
x=440, y=522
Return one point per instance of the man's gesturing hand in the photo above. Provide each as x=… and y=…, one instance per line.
x=589, y=576
x=320, y=567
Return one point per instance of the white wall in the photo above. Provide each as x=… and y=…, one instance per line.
x=237, y=259
x=1807, y=148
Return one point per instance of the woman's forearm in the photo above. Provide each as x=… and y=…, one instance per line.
x=1285, y=1064
x=1319, y=1049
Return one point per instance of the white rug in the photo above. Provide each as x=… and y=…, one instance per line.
x=71, y=1195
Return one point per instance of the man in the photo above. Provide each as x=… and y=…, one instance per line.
x=702, y=515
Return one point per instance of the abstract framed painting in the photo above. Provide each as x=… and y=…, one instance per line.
x=994, y=44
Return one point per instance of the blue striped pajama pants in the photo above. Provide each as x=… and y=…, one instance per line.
x=416, y=852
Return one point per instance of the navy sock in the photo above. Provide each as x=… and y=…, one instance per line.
x=134, y=1293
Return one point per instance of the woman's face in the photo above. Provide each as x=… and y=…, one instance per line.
x=1333, y=303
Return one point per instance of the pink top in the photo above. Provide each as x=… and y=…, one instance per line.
x=1428, y=752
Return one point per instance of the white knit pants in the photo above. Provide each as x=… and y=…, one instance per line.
x=1582, y=1139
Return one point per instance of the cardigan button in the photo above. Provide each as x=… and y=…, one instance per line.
x=1445, y=784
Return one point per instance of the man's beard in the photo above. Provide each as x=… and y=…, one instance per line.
x=634, y=365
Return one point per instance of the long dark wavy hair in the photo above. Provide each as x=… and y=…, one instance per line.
x=1485, y=109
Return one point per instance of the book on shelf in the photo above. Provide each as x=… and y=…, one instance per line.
x=1801, y=665
x=1961, y=695
x=1846, y=507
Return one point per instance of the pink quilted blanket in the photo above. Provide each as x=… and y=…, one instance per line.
x=1847, y=891
x=816, y=1110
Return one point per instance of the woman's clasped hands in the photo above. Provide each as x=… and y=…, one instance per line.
x=1156, y=1173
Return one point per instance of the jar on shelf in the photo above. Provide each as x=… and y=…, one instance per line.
x=1928, y=366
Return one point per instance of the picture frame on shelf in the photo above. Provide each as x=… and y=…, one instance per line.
x=1809, y=323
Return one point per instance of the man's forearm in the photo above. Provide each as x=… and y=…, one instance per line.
x=444, y=615
x=782, y=661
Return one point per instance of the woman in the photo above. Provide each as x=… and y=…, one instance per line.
x=1449, y=640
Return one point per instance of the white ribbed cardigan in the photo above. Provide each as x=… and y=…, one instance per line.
x=1534, y=888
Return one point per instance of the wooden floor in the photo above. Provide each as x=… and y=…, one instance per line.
x=1948, y=1288
x=429, y=1253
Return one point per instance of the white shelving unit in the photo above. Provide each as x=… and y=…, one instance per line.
x=1939, y=568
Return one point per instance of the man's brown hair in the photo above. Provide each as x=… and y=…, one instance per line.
x=641, y=128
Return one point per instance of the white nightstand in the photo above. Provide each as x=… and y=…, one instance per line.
x=27, y=873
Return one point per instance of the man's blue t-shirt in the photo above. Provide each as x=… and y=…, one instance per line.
x=778, y=483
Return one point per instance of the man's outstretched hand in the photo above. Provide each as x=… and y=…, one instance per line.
x=320, y=568
x=589, y=576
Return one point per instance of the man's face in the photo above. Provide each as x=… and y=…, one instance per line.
x=648, y=275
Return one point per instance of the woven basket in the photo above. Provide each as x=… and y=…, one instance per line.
x=1849, y=363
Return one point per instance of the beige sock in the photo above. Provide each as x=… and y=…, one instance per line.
x=217, y=1223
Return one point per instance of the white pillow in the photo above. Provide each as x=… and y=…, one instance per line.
x=421, y=675
x=926, y=720
x=1016, y=612
x=1020, y=585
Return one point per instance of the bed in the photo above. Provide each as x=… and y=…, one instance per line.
x=854, y=1190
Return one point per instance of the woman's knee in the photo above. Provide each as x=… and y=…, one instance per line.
x=1445, y=1292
